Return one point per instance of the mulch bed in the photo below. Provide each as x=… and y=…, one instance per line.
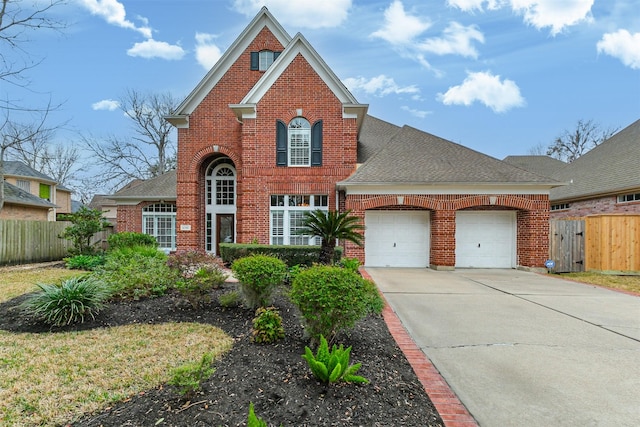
x=272, y=376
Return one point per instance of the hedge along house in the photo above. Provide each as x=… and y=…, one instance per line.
x=271, y=132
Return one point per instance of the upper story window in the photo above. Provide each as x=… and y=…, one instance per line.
x=24, y=184
x=45, y=192
x=220, y=183
x=629, y=198
x=263, y=59
x=299, y=143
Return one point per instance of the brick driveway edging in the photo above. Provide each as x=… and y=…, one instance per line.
x=451, y=410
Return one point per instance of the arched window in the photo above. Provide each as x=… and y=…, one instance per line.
x=299, y=142
x=159, y=221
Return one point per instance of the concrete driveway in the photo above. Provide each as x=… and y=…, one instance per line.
x=523, y=349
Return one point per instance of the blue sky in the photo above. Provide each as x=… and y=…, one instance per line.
x=498, y=76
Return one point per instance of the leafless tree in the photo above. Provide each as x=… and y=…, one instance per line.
x=149, y=152
x=572, y=144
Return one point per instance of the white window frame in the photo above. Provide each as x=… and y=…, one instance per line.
x=299, y=142
x=24, y=184
x=629, y=198
x=265, y=59
x=285, y=214
x=152, y=218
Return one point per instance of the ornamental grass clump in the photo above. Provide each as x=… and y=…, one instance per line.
x=258, y=277
x=332, y=299
x=333, y=366
x=69, y=302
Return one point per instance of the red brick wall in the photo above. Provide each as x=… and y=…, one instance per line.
x=251, y=145
x=532, y=228
x=602, y=205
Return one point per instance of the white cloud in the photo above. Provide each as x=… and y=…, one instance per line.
x=106, y=104
x=622, y=45
x=556, y=14
x=486, y=88
x=456, y=40
x=114, y=13
x=155, y=49
x=301, y=13
x=400, y=28
x=417, y=113
x=378, y=86
x=471, y=5
x=207, y=53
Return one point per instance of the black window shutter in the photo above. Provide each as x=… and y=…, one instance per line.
x=316, y=144
x=281, y=143
x=275, y=55
x=255, y=60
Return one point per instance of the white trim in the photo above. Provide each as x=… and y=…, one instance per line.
x=437, y=189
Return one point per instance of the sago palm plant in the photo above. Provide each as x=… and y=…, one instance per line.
x=331, y=226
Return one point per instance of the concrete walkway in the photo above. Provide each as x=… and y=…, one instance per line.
x=523, y=349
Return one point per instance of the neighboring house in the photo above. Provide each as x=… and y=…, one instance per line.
x=49, y=199
x=605, y=180
x=107, y=206
x=271, y=132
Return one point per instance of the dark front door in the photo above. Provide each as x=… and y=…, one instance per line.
x=224, y=230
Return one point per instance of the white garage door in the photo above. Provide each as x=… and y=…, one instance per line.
x=486, y=239
x=396, y=238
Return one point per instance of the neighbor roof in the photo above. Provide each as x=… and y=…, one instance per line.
x=160, y=187
x=15, y=168
x=415, y=157
x=542, y=165
x=611, y=167
x=18, y=196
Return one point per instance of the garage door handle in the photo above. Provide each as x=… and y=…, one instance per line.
x=478, y=244
x=394, y=245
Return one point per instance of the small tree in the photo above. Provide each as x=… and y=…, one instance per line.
x=331, y=226
x=85, y=223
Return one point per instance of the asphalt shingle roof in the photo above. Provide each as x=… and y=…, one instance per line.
x=608, y=168
x=162, y=186
x=412, y=156
x=15, y=168
x=374, y=134
x=18, y=196
x=542, y=165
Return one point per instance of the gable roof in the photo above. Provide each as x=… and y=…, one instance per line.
x=263, y=19
x=161, y=187
x=17, y=196
x=609, y=168
x=542, y=165
x=412, y=156
x=19, y=169
x=374, y=134
x=300, y=46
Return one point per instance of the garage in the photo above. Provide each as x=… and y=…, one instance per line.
x=485, y=239
x=397, y=238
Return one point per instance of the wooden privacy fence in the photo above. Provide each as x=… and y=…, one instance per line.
x=609, y=243
x=23, y=242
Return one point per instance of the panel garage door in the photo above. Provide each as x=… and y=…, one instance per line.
x=486, y=239
x=396, y=238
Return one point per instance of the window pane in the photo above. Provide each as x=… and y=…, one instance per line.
x=299, y=142
x=277, y=200
x=319, y=201
x=296, y=219
x=266, y=59
x=277, y=227
x=24, y=185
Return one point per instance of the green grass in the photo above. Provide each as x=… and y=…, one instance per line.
x=49, y=379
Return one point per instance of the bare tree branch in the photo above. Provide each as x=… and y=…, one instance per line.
x=573, y=144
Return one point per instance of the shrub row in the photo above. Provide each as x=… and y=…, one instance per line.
x=290, y=255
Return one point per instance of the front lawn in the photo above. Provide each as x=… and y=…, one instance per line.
x=613, y=281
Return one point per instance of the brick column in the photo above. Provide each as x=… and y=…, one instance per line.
x=442, y=254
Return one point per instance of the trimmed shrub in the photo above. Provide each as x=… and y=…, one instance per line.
x=84, y=262
x=290, y=254
x=332, y=299
x=137, y=272
x=197, y=287
x=128, y=239
x=258, y=276
x=69, y=302
x=267, y=325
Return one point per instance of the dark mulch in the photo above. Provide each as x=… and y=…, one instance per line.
x=274, y=377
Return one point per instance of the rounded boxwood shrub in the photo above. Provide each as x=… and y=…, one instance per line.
x=69, y=302
x=332, y=299
x=258, y=276
x=128, y=239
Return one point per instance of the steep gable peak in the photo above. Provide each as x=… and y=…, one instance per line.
x=263, y=19
x=300, y=46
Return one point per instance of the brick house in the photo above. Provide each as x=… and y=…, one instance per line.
x=32, y=195
x=271, y=132
x=605, y=180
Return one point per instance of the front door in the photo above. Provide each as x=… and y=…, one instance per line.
x=225, y=232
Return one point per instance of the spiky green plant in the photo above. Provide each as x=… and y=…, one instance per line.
x=331, y=226
x=332, y=366
x=69, y=302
